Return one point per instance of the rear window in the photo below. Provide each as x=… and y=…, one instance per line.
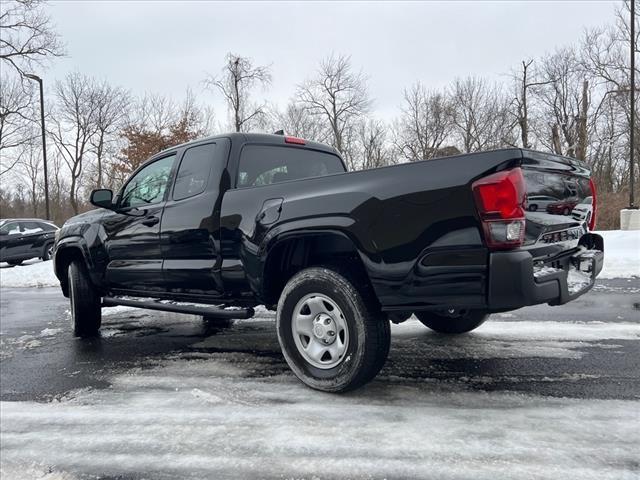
x=264, y=165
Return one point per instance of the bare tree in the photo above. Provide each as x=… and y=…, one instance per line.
x=26, y=35
x=481, y=115
x=564, y=103
x=16, y=117
x=425, y=124
x=337, y=95
x=111, y=106
x=74, y=126
x=526, y=80
x=297, y=121
x=154, y=124
x=30, y=170
x=373, y=144
x=238, y=78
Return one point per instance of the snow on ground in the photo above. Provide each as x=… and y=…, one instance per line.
x=235, y=415
x=227, y=410
x=32, y=273
x=621, y=253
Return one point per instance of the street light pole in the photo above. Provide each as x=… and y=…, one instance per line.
x=44, y=144
x=632, y=116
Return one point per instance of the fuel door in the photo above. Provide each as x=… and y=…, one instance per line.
x=270, y=211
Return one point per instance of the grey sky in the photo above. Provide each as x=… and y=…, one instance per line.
x=166, y=46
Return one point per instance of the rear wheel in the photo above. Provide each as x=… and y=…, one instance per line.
x=14, y=263
x=453, y=321
x=85, y=301
x=533, y=208
x=333, y=336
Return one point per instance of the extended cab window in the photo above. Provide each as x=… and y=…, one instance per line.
x=265, y=164
x=149, y=184
x=193, y=174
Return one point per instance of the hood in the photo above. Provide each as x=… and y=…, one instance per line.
x=89, y=216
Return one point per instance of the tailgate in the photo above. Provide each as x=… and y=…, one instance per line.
x=555, y=187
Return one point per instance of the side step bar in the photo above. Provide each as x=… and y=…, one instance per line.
x=216, y=312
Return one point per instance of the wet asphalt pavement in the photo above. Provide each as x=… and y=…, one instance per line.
x=40, y=360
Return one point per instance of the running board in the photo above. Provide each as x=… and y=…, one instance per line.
x=216, y=312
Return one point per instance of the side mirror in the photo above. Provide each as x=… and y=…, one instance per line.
x=102, y=198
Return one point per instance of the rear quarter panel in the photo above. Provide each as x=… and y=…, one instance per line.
x=394, y=216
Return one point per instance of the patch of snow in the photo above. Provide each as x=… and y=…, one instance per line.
x=34, y=273
x=510, y=339
x=240, y=415
x=540, y=271
x=621, y=253
x=577, y=280
x=33, y=471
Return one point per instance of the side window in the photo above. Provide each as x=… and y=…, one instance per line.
x=10, y=229
x=194, y=170
x=31, y=227
x=47, y=227
x=149, y=185
x=266, y=164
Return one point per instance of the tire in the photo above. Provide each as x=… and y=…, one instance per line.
x=15, y=263
x=566, y=211
x=84, y=300
x=533, y=208
x=456, y=322
x=47, y=252
x=339, y=313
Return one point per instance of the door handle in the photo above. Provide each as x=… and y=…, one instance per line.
x=151, y=221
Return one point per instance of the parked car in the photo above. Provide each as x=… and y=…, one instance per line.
x=563, y=207
x=221, y=225
x=25, y=238
x=539, y=202
x=584, y=210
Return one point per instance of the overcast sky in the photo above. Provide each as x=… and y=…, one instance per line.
x=166, y=46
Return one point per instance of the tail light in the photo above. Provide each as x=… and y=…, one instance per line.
x=500, y=199
x=294, y=140
x=594, y=209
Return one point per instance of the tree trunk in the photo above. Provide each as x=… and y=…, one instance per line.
x=581, y=149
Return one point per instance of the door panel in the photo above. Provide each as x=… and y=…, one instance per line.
x=133, y=248
x=11, y=242
x=190, y=233
x=133, y=232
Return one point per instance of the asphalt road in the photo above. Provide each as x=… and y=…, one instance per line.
x=40, y=359
x=542, y=392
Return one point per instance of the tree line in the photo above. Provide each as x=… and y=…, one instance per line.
x=573, y=101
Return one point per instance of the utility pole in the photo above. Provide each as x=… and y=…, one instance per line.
x=44, y=144
x=632, y=90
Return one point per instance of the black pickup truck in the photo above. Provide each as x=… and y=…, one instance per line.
x=218, y=226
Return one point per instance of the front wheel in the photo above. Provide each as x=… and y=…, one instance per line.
x=85, y=301
x=14, y=263
x=47, y=253
x=453, y=321
x=333, y=336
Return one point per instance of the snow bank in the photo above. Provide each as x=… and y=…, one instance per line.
x=621, y=253
x=32, y=273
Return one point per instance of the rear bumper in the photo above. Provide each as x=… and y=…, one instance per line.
x=517, y=280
